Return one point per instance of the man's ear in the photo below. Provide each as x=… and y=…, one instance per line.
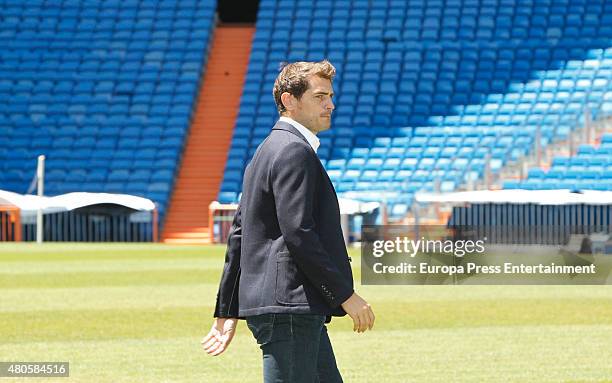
x=288, y=100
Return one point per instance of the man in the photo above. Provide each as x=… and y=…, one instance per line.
x=286, y=266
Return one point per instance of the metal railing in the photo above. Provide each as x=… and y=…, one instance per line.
x=79, y=226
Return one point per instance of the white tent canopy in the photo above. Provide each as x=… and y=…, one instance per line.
x=29, y=204
x=520, y=196
x=347, y=206
x=351, y=206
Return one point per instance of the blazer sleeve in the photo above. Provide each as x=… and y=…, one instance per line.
x=294, y=176
x=227, y=297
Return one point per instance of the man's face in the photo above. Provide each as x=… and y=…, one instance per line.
x=314, y=108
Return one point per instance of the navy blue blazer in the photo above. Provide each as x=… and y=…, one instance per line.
x=285, y=251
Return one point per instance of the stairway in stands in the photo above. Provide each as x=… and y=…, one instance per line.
x=205, y=153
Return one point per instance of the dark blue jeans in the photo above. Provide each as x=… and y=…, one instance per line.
x=295, y=347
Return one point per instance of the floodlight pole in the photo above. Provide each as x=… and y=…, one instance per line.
x=40, y=177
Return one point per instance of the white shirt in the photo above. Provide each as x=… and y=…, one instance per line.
x=312, y=139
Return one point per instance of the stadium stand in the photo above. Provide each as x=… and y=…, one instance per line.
x=589, y=169
x=104, y=89
x=430, y=92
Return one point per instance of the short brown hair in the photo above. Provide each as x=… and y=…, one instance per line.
x=293, y=79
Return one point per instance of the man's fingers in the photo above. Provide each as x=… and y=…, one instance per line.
x=367, y=318
x=222, y=346
x=208, y=337
x=219, y=351
x=359, y=321
x=361, y=313
x=210, y=341
x=224, y=342
x=356, y=322
x=372, y=317
x=211, y=346
x=219, y=337
x=365, y=321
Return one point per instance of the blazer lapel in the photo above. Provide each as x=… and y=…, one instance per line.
x=281, y=125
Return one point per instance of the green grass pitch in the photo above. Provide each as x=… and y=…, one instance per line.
x=136, y=313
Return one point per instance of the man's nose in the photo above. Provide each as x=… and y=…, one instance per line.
x=330, y=105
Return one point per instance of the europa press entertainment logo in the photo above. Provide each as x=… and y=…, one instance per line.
x=439, y=255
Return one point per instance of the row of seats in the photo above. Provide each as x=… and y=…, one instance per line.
x=378, y=9
x=594, y=184
x=433, y=35
x=54, y=7
x=117, y=175
x=590, y=168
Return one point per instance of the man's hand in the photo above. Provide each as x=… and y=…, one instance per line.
x=360, y=311
x=220, y=335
